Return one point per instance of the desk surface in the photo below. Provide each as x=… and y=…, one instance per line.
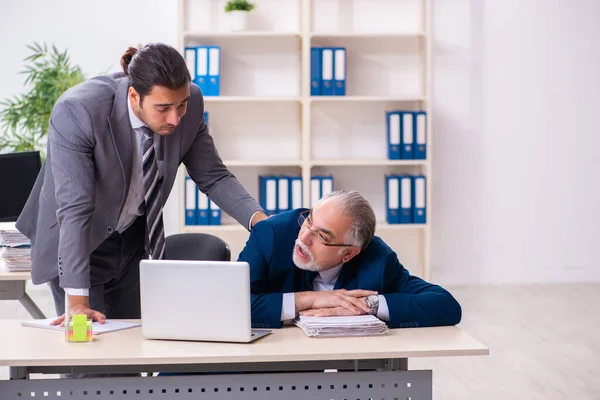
x=25, y=346
x=6, y=275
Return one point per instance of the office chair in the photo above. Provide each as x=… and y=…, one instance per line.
x=196, y=246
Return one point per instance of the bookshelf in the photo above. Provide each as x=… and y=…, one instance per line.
x=266, y=122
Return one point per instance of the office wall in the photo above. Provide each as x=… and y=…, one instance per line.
x=516, y=97
x=516, y=93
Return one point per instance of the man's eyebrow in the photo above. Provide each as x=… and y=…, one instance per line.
x=170, y=104
x=325, y=231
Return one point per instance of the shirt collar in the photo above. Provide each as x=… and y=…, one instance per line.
x=330, y=276
x=135, y=121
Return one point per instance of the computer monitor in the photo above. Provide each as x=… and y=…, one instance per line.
x=18, y=172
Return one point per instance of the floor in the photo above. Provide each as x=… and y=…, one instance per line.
x=544, y=342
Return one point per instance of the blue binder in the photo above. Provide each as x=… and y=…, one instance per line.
x=268, y=194
x=315, y=190
x=327, y=72
x=392, y=200
x=406, y=199
x=190, y=201
x=420, y=126
x=203, y=211
x=283, y=194
x=215, y=213
x=206, y=117
x=315, y=71
x=407, y=135
x=420, y=199
x=214, y=71
x=202, y=69
x=393, y=134
x=339, y=74
x=326, y=185
x=190, y=61
x=295, y=185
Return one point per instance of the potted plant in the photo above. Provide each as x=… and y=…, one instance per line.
x=24, y=118
x=238, y=11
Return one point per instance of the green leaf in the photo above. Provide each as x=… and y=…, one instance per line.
x=24, y=118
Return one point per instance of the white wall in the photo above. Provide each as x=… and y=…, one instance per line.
x=516, y=93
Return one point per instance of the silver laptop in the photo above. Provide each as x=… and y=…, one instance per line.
x=196, y=300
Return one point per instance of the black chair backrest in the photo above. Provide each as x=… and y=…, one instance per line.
x=196, y=246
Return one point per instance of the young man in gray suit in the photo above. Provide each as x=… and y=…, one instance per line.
x=114, y=146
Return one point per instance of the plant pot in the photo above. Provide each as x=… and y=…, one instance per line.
x=239, y=20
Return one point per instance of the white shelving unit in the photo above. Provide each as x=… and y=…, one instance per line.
x=266, y=122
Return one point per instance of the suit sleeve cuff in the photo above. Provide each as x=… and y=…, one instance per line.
x=77, y=292
x=288, y=307
x=383, y=312
x=250, y=222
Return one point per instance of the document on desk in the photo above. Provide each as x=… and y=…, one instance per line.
x=360, y=325
x=97, y=328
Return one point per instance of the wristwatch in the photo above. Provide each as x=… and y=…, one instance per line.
x=373, y=303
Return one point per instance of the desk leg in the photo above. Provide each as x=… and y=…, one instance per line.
x=31, y=307
x=15, y=290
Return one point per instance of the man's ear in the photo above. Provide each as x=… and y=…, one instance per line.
x=134, y=97
x=350, y=253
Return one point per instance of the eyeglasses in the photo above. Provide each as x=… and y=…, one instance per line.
x=305, y=222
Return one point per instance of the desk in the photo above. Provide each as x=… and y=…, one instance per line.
x=12, y=287
x=12, y=284
x=371, y=367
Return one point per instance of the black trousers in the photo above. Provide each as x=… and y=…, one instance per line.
x=114, y=275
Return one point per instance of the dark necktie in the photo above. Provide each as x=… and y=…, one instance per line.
x=152, y=183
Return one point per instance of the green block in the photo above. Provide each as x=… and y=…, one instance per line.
x=80, y=327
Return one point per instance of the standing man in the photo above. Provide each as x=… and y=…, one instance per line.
x=114, y=147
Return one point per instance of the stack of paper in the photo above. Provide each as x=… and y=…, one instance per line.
x=361, y=325
x=16, y=250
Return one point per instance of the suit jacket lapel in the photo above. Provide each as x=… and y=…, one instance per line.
x=309, y=277
x=347, y=278
x=120, y=129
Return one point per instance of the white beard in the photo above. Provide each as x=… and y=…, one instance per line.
x=309, y=266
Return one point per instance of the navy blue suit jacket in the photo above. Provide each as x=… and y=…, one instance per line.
x=412, y=302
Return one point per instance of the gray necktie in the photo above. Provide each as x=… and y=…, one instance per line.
x=152, y=183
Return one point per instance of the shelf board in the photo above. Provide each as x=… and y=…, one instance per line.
x=237, y=228
x=384, y=226
x=367, y=163
x=251, y=99
x=241, y=34
x=262, y=163
x=358, y=99
x=214, y=229
x=375, y=35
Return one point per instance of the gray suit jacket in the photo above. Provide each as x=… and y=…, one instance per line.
x=78, y=197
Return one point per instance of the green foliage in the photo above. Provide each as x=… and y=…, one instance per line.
x=241, y=5
x=24, y=119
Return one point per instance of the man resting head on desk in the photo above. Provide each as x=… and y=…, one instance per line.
x=327, y=262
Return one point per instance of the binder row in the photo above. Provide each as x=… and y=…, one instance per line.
x=279, y=193
x=406, y=135
x=204, y=64
x=319, y=186
x=405, y=199
x=327, y=71
x=199, y=209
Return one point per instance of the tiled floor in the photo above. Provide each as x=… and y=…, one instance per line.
x=544, y=343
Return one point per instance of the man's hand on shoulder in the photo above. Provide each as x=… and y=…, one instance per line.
x=351, y=301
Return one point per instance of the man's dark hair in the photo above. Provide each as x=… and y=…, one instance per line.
x=155, y=64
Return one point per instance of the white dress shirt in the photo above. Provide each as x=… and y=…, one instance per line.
x=325, y=280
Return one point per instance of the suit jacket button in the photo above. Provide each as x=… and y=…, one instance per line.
x=109, y=229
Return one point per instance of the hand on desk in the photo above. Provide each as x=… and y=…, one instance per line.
x=332, y=302
x=80, y=305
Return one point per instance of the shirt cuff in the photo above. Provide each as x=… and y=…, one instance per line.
x=77, y=292
x=250, y=222
x=288, y=307
x=383, y=312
